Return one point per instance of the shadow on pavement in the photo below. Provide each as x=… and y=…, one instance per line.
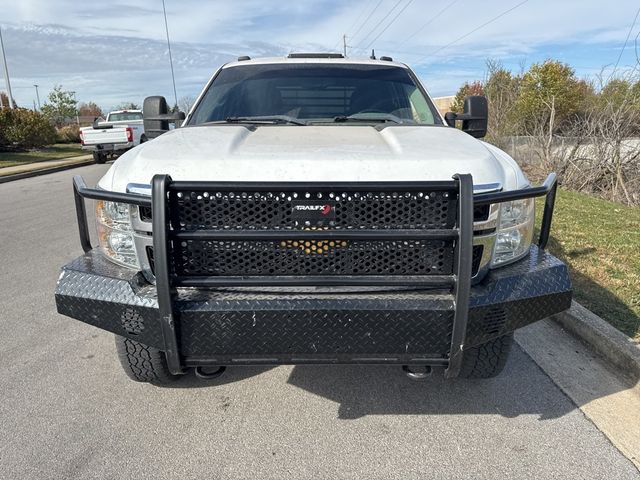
x=231, y=375
x=522, y=389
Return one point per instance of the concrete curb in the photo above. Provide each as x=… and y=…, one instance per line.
x=44, y=170
x=611, y=344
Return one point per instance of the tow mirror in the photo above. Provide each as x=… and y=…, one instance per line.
x=157, y=118
x=474, y=118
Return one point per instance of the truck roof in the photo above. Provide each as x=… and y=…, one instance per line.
x=125, y=111
x=314, y=59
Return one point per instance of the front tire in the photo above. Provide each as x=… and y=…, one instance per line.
x=99, y=157
x=142, y=363
x=486, y=360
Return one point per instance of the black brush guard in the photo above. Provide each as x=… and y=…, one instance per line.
x=182, y=337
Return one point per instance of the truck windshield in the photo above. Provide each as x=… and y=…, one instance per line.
x=124, y=116
x=315, y=93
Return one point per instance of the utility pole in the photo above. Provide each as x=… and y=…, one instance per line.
x=37, y=96
x=6, y=72
x=166, y=28
x=344, y=44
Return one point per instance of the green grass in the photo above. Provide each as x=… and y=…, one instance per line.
x=52, y=152
x=600, y=241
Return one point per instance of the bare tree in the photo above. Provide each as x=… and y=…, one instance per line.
x=610, y=162
x=600, y=151
x=185, y=103
x=501, y=90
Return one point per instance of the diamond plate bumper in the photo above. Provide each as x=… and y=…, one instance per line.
x=312, y=325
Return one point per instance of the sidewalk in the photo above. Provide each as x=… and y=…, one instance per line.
x=30, y=169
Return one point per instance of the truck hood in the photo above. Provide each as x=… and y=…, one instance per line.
x=351, y=153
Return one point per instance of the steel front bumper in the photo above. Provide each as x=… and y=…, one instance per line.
x=243, y=326
x=108, y=147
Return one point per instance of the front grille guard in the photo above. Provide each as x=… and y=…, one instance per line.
x=462, y=233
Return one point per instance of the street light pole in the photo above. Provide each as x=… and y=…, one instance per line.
x=37, y=96
x=6, y=71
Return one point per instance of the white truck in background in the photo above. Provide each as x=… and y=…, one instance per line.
x=121, y=131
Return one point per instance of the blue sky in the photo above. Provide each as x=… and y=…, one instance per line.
x=110, y=52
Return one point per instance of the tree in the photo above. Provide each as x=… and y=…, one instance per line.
x=608, y=161
x=550, y=89
x=23, y=128
x=61, y=106
x=612, y=164
x=635, y=92
x=501, y=89
x=473, y=88
x=550, y=100
x=127, y=106
x=89, y=110
x=185, y=103
x=4, y=100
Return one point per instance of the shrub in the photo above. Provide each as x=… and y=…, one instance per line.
x=4, y=122
x=24, y=128
x=68, y=134
x=474, y=88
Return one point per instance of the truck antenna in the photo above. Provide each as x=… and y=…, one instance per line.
x=166, y=28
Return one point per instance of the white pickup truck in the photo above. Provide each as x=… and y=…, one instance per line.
x=314, y=209
x=122, y=130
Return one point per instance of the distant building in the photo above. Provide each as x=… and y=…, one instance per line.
x=443, y=104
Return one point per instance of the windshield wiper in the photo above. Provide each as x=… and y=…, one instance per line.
x=266, y=119
x=373, y=117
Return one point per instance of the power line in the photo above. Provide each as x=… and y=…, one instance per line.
x=361, y=15
x=366, y=20
x=625, y=43
x=389, y=24
x=474, y=30
x=447, y=7
x=364, y=10
x=379, y=23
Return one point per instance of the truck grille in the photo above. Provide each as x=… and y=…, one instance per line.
x=313, y=257
x=260, y=270
x=226, y=211
x=275, y=210
x=480, y=213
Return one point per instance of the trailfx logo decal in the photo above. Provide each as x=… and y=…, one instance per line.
x=313, y=210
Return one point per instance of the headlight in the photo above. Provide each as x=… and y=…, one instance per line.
x=115, y=234
x=515, y=231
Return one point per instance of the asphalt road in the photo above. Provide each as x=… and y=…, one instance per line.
x=68, y=411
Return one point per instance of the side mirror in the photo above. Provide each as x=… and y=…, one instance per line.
x=156, y=116
x=475, y=116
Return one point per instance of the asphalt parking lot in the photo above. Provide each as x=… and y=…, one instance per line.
x=68, y=411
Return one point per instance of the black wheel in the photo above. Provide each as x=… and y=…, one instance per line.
x=487, y=359
x=142, y=363
x=99, y=157
x=143, y=139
